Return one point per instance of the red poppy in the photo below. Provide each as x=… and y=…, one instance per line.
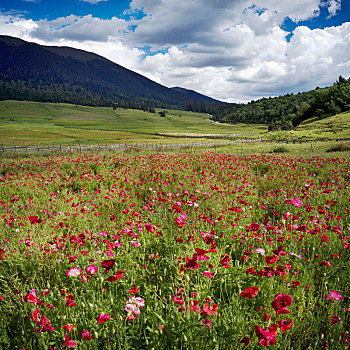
x=207, y=322
x=250, y=292
x=69, y=327
x=285, y=325
x=101, y=318
x=271, y=259
x=335, y=319
x=134, y=289
x=108, y=265
x=280, y=302
x=210, y=310
x=266, y=336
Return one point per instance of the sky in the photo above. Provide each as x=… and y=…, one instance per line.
x=231, y=50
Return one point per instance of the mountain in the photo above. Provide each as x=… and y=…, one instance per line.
x=194, y=95
x=29, y=71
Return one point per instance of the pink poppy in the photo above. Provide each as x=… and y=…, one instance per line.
x=91, y=269
x=333, y=295
x=74, y=272
x=296, y=202
x=69, y=342
x=86, y=335
x=266, y=336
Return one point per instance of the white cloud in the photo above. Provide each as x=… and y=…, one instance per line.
x=233, y=50
x=333, y=7
x=79, y=28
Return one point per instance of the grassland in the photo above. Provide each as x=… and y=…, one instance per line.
x=25, y=123
x=28, y=123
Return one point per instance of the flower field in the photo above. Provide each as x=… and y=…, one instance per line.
x=175, y=251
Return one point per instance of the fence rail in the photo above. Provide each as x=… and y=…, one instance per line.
x=155, y=146
x=114, y=147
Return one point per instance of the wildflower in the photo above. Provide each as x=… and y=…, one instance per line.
x=31, y=297
x=69, y=342
x=333, y=295
x=335, y=319
x=208, y=274
x=207, y=322
x=101, y=318
x=107, y=265
x=296, y=202
x=285, y=324
x=245, y=341
x=271, y=259
x=210, y=310
x=280, y=302
x=91, y=269
x=260, y=251
x=134, y=289
x=250, y=292
x=224, y=260
x=86, y=335
x=74, y=272
x=266, y=336
x=69, y=327
x=132, y=306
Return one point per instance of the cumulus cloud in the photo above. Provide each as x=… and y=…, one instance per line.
x=233, y=50
x=333, y=7
x=79, y=28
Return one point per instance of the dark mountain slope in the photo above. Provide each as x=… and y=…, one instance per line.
x=29, y=71
x=193, y=95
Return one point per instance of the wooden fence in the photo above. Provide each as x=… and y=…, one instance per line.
x=148, y=146
x=113, y=147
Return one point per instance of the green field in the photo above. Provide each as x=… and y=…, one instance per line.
x=25, y=123
x=31, y=123
x=336, y=126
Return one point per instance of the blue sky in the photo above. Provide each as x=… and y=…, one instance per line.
x=232, y=50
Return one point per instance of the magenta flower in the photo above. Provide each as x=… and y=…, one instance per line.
x=69, y=342
x=102, y=318
x=86, y=335
x=91, y=269
x=296, y=202
x=74, y=272
x=333, y=295
x=266, y=336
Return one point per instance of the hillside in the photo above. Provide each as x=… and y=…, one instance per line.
x=29, y=71
x=288, y=111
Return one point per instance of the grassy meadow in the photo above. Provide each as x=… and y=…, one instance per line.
x=243, y=246
x=31, y=123
x=24, y=123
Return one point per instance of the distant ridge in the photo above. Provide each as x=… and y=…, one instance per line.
x=29, y=71
x=193, y=95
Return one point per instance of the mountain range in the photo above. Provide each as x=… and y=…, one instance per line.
x=29, y=71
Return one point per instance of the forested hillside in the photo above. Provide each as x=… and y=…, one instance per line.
x=285, y=112
x=29, y=71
